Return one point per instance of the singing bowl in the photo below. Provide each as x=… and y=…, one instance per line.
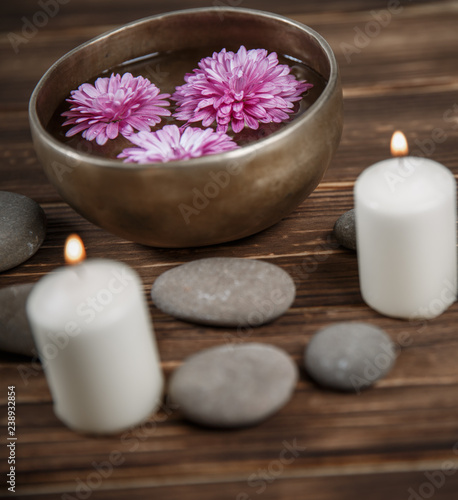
x=201, y=201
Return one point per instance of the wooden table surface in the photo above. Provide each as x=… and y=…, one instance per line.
x=397, y=440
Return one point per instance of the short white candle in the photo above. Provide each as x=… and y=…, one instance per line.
x=92, y=328
x=405, y=211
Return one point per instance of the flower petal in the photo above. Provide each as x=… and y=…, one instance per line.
x=112, y=130
x=171, y=143
x=248, y=83
x=115, y=103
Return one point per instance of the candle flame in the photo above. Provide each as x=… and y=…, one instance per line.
x=74, y=250
x=399, y=146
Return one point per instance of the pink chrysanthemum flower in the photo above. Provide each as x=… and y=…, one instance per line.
x=242, y=88
x=171, y=143
x=115, y=105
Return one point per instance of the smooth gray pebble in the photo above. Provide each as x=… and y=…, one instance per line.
x=345, y=230
x=225, y=291
x=233, y=385
x=22, y=229
x=349, y=356
x=15, y=333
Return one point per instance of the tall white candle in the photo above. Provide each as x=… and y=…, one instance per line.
x=92, y=328
x=405, y=211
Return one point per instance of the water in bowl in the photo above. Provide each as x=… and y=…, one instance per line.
x=166, y=71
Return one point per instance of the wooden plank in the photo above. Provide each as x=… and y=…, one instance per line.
x=378, y=444
x=420, y=61
x=396, y=486
x=369, y=123
x=84, y=13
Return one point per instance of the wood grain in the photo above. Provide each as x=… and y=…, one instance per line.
x=379, y=444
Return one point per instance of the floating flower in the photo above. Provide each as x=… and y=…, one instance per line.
x=115, y=105
x=243, y=88
x=171, y=143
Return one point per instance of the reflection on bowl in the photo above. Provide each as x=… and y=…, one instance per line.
x=205, y=200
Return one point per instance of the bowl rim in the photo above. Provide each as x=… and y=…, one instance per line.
x=202, y=161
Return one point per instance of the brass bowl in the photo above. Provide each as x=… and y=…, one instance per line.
x=205, y=200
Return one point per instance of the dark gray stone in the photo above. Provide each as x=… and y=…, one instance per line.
x=345, y=230
x=233, y=385
x=349, y=356
x=22, y=229
x=225, y=292
x=15, y=333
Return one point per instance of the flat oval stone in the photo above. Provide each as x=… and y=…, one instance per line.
x=225, y=292
x=345, y=230
x=349, y=356
x=22, y=229
x=233, y=385
x=15, y=332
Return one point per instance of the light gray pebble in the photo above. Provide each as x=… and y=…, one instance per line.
x=22, y=229
x=233, y=385
x=225, y=292
x=349, y=356
x=15, y=333
x=345, y=230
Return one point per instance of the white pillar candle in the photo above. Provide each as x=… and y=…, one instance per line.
x=93, y=331
x=405, y=210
